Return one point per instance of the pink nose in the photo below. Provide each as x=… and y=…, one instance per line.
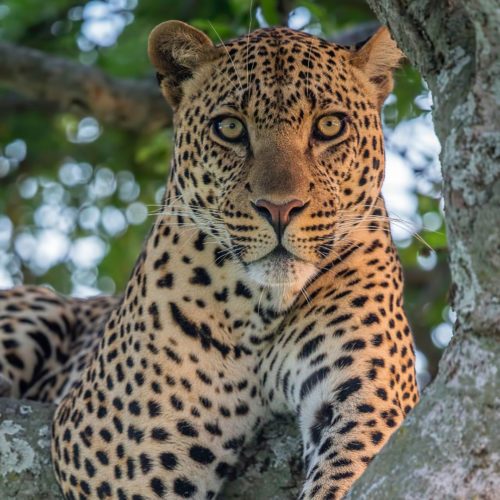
x=279, y=215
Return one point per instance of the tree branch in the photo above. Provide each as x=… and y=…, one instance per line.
x=284, y=7
x=12, y=103
x=69, y=86
x=50, y=83
x=25, y=466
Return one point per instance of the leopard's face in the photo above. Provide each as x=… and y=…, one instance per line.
x=279, y=151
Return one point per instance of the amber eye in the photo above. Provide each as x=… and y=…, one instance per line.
x=229, y=128
x=330, y=127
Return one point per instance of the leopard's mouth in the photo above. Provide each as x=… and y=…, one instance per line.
x=283, y=274
x=280, y=256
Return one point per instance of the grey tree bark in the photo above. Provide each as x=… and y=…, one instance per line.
x=449, y=446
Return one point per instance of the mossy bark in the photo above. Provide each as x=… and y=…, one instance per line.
x=449, y=446
x=25, y=467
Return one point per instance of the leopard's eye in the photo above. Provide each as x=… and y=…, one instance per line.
x=229, y=128
x=330, y=127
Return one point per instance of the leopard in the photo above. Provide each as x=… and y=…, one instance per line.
x=269, y=283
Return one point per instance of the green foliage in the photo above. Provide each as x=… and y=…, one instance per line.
x=78, y=179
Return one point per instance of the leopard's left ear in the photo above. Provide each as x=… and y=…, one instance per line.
x=377, y=59
x=177, y=50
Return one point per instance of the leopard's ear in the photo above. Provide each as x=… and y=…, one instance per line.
x=176, y=50
x=377, y=59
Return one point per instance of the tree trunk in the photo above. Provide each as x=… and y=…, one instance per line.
x=448, y=447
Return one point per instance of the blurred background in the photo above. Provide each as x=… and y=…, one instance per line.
x=77, y=194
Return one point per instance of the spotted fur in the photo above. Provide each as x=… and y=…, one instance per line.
x=232, y=314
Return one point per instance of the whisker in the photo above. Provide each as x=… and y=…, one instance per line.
x=361, y=229
x=308, y=64
x=260, y=299
x=248, y=41
x=228, y=54
x=220, y=72
x=306, y=295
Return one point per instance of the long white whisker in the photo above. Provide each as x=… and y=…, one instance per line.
x=308, y=64
x=248, y=42
x=260, y=299
x=228, y=54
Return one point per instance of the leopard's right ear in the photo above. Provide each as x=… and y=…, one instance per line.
x=377, y=59
x=176, y=50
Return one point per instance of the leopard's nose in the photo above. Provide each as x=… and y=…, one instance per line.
x=279, y=215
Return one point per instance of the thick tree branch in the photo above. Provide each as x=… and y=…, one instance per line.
x=12, y=103
x=49, y=83
x=25, y=466
x=69, y=86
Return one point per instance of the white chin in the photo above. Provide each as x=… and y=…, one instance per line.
x=285, y=277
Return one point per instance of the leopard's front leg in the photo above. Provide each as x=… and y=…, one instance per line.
x=348, y=374
x=345, y=420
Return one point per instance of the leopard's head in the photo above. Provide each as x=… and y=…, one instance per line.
x=278, y=141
